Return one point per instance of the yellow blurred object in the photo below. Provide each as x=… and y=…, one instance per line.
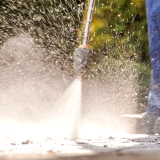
x=138, y=2
x=99, y=24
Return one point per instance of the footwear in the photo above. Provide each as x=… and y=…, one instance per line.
x=147, y=124
x=141, y=124
x=157, y=126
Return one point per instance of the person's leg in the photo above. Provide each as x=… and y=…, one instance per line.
x=150, y=123
x=153, y=17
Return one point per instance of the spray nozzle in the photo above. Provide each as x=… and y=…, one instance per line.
x=82, y=60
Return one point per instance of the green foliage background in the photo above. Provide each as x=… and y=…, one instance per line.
x=119, y=30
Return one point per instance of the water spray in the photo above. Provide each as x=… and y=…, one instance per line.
x=83, y=55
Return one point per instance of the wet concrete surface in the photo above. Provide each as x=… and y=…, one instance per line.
x=116, y=148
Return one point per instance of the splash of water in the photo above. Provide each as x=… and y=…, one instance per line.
x=29, y=88
x=62, y=121
x=67, y=111
x=35, y=103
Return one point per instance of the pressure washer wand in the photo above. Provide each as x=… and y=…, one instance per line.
x=83, y=55
x=88, y=23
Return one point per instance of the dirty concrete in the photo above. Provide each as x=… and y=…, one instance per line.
x=127, y=147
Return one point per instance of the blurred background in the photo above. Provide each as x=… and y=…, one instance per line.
x=118, y=37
